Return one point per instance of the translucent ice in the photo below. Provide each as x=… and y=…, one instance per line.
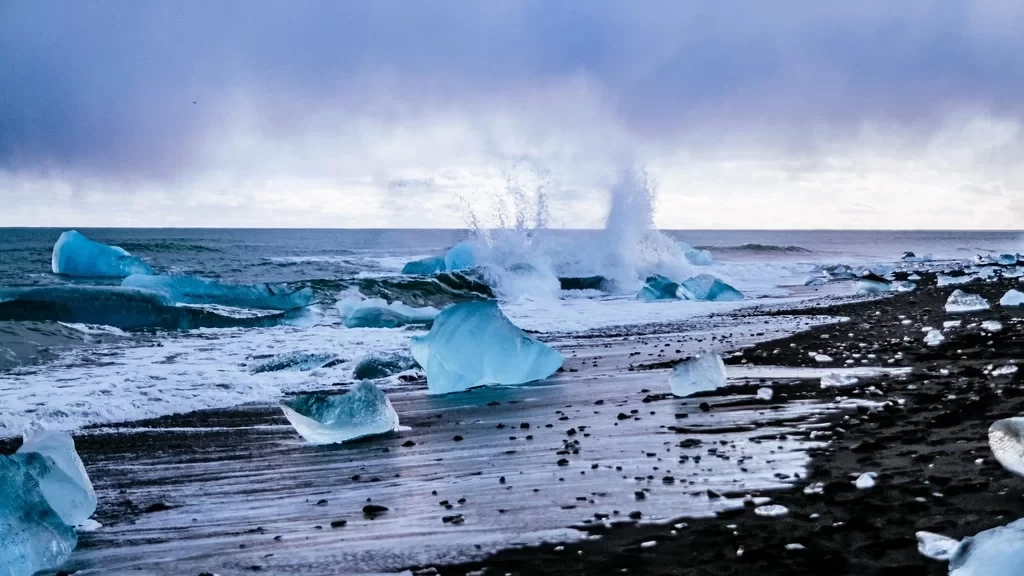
x=32, y=536
x=1006, y=439
x=995, y=552
x=474, y=344
x=332, y=418
x=992, y=326
x=866, y=481
x=1007, y=259
x=836, y=380
x=382, y=365
x=461, y=256
x=1012, y=298
x=425, y=266
x=377, y=313
x=814, y=281
x=695, y=256
x=299, y=361
x=944, y=280
x=61, y=476
x=698, y=374
x=905, y=286
x=936, y=546
x=707, y=287
x=76, y=255
x=191, y=290
x=934, y=338
x=873, y=287
x=960, y=301
x=658, y=287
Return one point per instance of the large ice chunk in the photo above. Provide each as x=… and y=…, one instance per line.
x=377, y=313
x=707, y=287
x=1006, y=259
x=936, y=546
x=425, y=266
x=332, y=418
x=76, y=255
x=1012, y=298
x=869, y=286
x=462, y=256
x=1006, y=439
x=658, y=287
x=191, y=290
x=377, y=366
x=960, y=301
x=698, y=374
x=474, y=344
x=62, y=476
x=32, y=536
x=995, y=552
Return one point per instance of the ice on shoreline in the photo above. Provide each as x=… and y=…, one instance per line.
x=960, y=302
x=995, y=552
x=1006, y=439
x=334, y=418
x=658, y=287
x=699, y=374
x=377, y=313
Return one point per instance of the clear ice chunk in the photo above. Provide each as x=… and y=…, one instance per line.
x=995, y=552
x=707, y=287
x=866, y=481
x=76, y=255
x=698, y=374
x=873, y=287
x=32, y=535
x=62, y=477
x=960, y=301
x=934, y=338
x=658, y=287
x=191, y=290
x=377, y=313
x=474, y=344
x=377, y=366
x=334, y=418
x=425, y=266
x=462, y=256
x=1012, y=298
x=936, y=546
x=905, y=286
x=1006, y=439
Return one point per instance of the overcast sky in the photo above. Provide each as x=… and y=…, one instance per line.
x=747, y=114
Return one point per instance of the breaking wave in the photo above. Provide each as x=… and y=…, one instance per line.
x=765, y=248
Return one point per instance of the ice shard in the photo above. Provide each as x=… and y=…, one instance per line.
x=658, y=287
x=377, y=313
x=334, y=418
x=425, y=266
x=1006, y=439
x=1012, y=298
x=61, y=474
x=191, y=290
x=698, y=374
x=960, y=301
x=76, y=255
x=32, y=535
x=474, y=344
x=707, y=287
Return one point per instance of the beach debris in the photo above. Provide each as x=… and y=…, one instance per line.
x=1012, y=298
x=866, y=481
x=377, y=366
x=474, y=344
x=934, y=338
x=377, y=313
x=1006, y=439
x=705, y=287
x=296, y=361
x=658, y=287
x=425, y=266
x=992, y=326
x=192, y=290
x=837, y=380
x=995, y=552
x=50, y=456
x=771, y=511
x=701, y=373
x=960, y=301
x=333, y=418
x=76, y=255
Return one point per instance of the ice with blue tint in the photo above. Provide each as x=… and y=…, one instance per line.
x=296, y=361
x=334, y=418
x=702, y=373
x=866, y=287
x=1012, y=298
x=658, y=287
x=474, y=344
x=960, y=301
x=695, y=256
x=378, y=313
x=62, y=478
x=1006, y=439
x=192, y=290
x=425, y=266
x=1007, y=259
x=76, y=255
x=995, y=552
x=32, y=535
x=382, y=365
x=462, y=256
x=705, y=287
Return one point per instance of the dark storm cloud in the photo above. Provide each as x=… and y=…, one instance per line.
x=135, y=87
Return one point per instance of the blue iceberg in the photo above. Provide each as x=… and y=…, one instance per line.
x=76, y=255
x=658, y=287
x=191, y=290
x=32, y=534
x=61, y=474
x=377, y=366
x=707, y=287
x=474, y=344
x=333, y=418
x=1007, y=259
x=462, y=256
x=377, y=313
x=425, y=266
x=698, y=374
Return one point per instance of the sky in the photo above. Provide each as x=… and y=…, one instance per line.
x=306, y=113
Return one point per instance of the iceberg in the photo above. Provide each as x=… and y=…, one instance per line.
x=377, y=366
x=60, y=473
x=377, y=313
x=462, y=256
x=658, y=287
x=76, y=255
x=297, y=361
x=191, y=290
x=425, y=266
x=873, y=287
x=33, y=536
x=474, y=344
x=1006, y=259
x=960, y=301
x=698, y=374
x=1007, y=444
x=334, y=418
x=1012, y=298
x=707, y=287
x=995, y=552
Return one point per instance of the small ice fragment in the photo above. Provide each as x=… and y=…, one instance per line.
x=873, y=287
x=705, y=287
x=377, y=313
x=951, y=324
x=377, y=366
x=960, y=301
x=658, y=287
x=822, y=358
x=1012, y=298
x=699, y=374
x=944, y=280
x=425, y=266
x=991, y=326
x=934, y=338
x=649, y=544
x=474, y=344
x=1005, y=370
x=866, y=481
x=332, y=418
x=905, y=287
x=1005, y=440
x=1006, y=259
x=765, y=393
x=814, y=281
x=836, y=380
x=814, y=489
x=771, y=511
x=62, y=477
x=795, y=546
x=936, y=546
x=76, y=255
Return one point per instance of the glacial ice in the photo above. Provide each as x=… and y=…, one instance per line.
x=695, y=256
x=839, y=272
x=474, y=344
x=377, y=313
x=1012, y=298
x=61, y=474
x=934, y=338
x=377, y=366
x=462, y=256
x=1006, y=439
x=995, y=552
x=814, y=281
x=32, y=535
x=698, y=374
x=333, y=418
x=905, y=286
x=707, y=287
x=771, y=511
x=297, y=361
x=76, y=255
x=1006, y=259
x=992, y=326
x=658, y=287
x=191, y=290
x=836, y=380
x=944, y=280
x=960, y=301
x=425, y=266
x=873, y=287
x=936, y=546
x=866, y=481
